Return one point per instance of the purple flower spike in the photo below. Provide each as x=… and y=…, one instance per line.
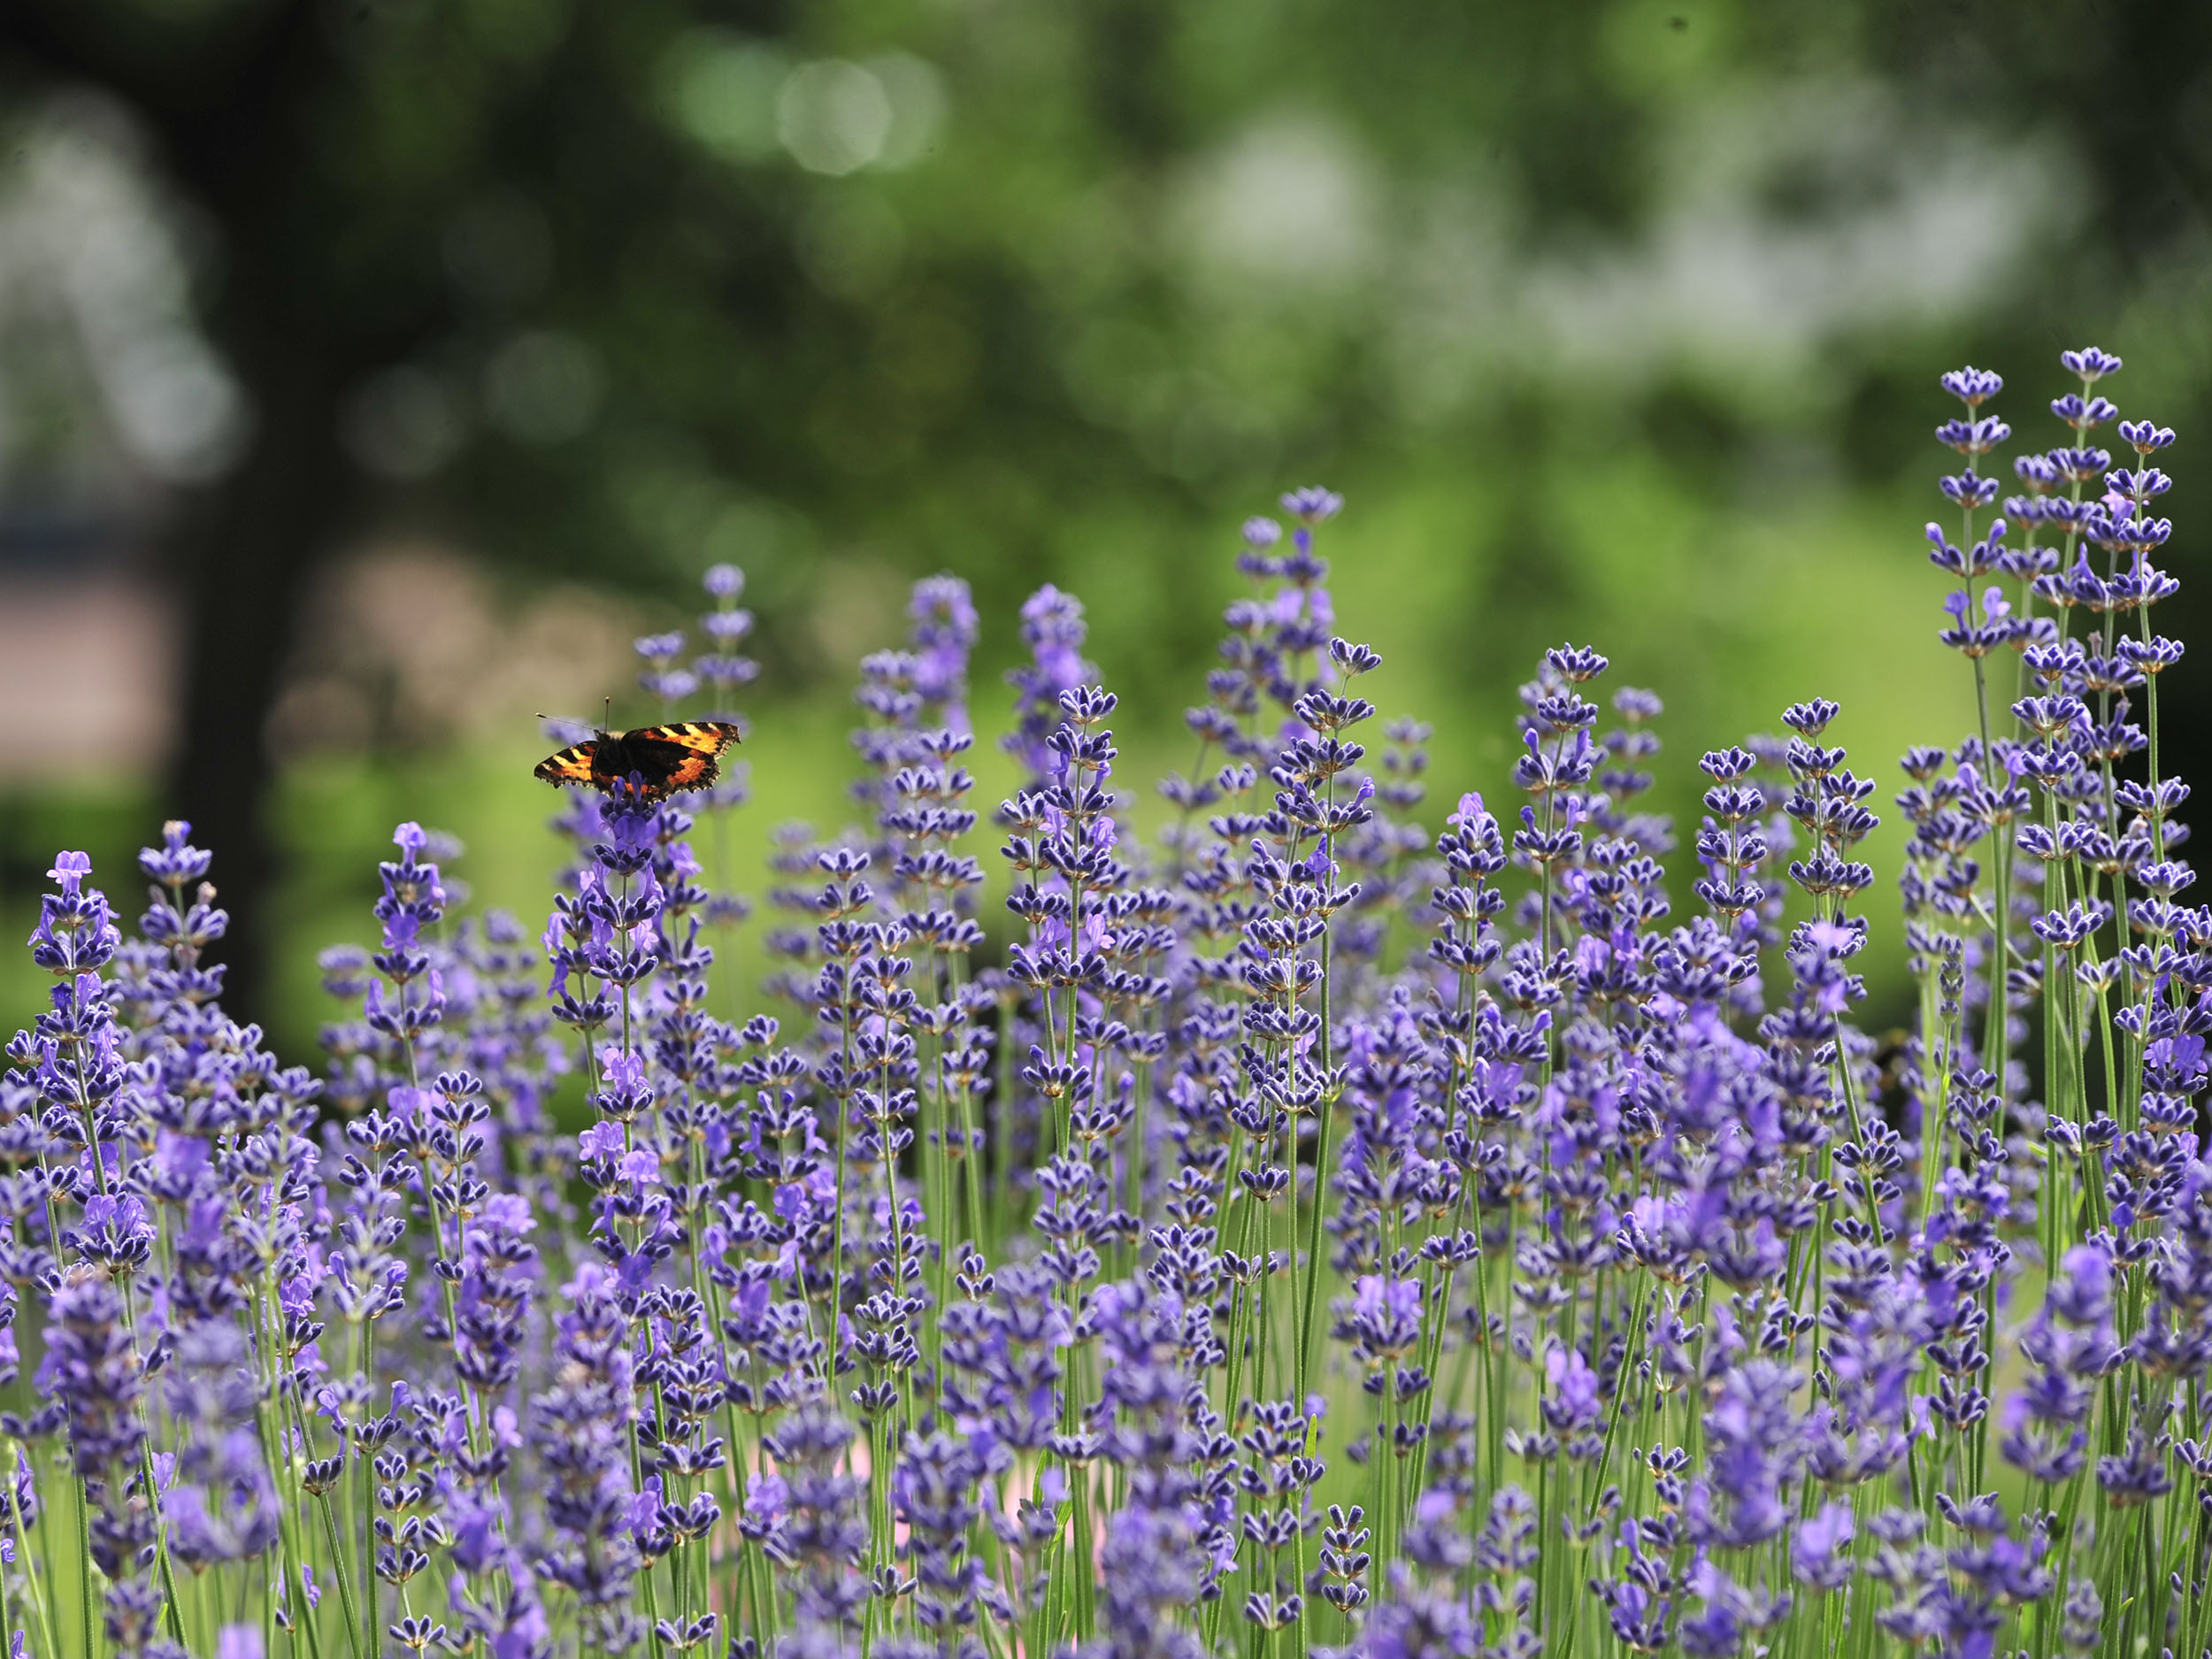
x=1972, y=386
x=1821, y=1551
x=174, y=862
x=2090, y=362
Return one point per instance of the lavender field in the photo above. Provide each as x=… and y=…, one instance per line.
x=1376, y=1214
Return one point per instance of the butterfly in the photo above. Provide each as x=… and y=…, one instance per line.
x=682, y=755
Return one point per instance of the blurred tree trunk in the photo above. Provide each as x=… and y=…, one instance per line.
x=239, y=115
x=244, y=552
x=241, y=556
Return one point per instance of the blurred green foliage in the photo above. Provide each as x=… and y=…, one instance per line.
x=1615, y=321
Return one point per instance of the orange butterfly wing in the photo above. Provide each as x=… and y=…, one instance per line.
x=572, y=765
x=682, y=755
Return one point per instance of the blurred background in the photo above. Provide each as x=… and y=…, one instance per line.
x=373, y=371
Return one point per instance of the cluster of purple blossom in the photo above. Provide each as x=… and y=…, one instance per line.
x=1307, y=1231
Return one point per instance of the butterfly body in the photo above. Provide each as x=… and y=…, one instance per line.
x=665, y=759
